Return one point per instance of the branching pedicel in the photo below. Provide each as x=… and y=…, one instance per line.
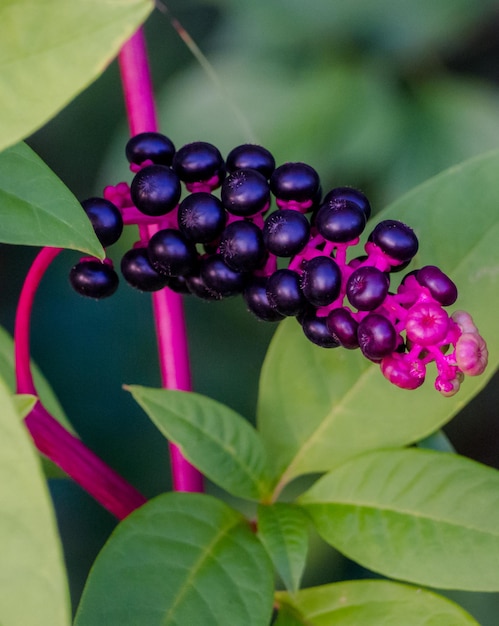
x=216, y=248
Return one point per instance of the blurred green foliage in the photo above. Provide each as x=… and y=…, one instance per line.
x=377, y=95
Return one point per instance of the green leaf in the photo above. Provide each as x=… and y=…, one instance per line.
x=32, y=574
x=370, y=603
x=180, y=559
x=283, y=530
x=37, y=209
x=23, y=403
x=437, y=441
x=215, y=439
x=51, y=51
x=415, y=515
x=318, y=407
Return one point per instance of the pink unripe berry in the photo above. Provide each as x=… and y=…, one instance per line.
x=402, y=372
x=426, y=324
x=464, y=321
x=471, y=354
x=448, y=387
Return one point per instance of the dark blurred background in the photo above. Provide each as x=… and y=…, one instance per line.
x=376, y=95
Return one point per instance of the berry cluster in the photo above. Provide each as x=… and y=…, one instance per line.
x=293, y=261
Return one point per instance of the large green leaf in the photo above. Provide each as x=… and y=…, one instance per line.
x=37, y=209
x=283, y=530
x=180, y=559
x=416, y=515
x=32, y=577
x=52, y=50
x=369, y=603
x=215, y=439
x=318, y=407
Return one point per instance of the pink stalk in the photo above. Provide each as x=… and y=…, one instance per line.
x=50, y=437
x=167, y=305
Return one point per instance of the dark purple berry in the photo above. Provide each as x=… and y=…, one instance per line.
x=340, y=221
x=199, y=162
x=171, y=253
x=286, y=232
x=316, y=330
x=139, y=273
x=284, y=292
x=348, y=194
x=395, y=239
x=253, y=157
x=377, y=336
x=257, y=301
x=93, y=279
x=321, y=280
x=241, y=246
x=343, y=327
x=367, y=288
x=197, y=287
x=439, y=284
x=155, y=190
x=105, y=218
x=295, y=181
x=219, y=278
x=245, y=193
x=150, y=146
x=201, y=217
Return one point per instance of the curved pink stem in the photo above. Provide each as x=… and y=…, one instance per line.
x=50, y=437
x=167, y=305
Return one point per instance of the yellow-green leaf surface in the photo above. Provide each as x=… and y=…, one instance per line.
x=52, y=50
x=425, y=517
x=318, y=407
x=369, y=603
x=37, y=209
x=32, y=575
x=214, y=438
x=182, y=559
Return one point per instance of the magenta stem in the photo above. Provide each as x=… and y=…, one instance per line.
x=50, y=437
x=167, y=305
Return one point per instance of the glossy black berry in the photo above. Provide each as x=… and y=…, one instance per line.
x=343, y=327
x=155, y=190
x=284, y=292
x=105, y=218
x=377, y=336
x=245, y=193
x=316, y=330
x=339, y=195
x=150, y=146
x=241, y=246
x=93, y=279
x=286, y=232
x=321, y=280
x=253, y=157
x=439, y=284
x=171, y=253
x=201, y=217
x=340, y=222
x=257, y=301
x=139, y=273
x=197, y=287
x=367, y=288
x=395, y=239
x=220, y=279
x=199, y=162
x=295, y=181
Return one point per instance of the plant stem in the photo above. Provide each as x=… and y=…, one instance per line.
x=50, y=437
x=167, y=305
